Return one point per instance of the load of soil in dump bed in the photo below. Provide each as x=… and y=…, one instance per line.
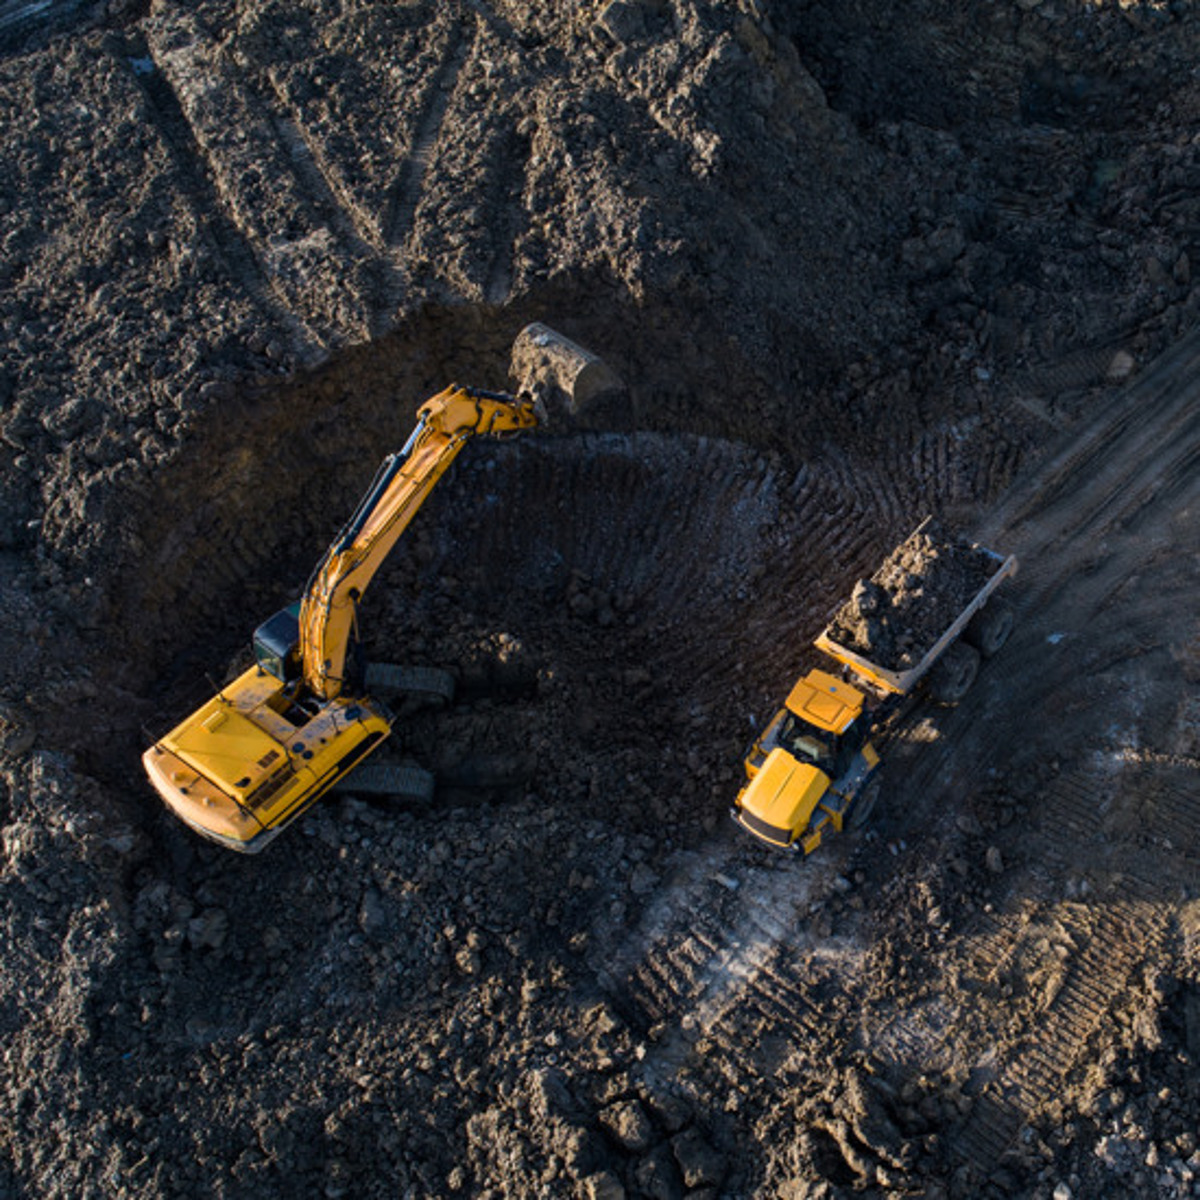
x=895, y=617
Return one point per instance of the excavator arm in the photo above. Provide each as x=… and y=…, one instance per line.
x=445, y=423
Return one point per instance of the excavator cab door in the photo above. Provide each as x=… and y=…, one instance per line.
x=275, y=644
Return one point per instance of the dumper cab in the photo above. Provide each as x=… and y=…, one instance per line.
x=809, y=766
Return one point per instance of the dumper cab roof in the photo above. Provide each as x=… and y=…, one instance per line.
x=825, y=701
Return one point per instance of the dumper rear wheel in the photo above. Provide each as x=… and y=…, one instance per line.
x=953, y=673
x=989, y=628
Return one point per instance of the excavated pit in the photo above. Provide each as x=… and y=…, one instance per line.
x=572, y=580
x=623, y=608
x=617, y=563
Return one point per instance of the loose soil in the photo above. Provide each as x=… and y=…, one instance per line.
x=925, y=584
x=856, y=263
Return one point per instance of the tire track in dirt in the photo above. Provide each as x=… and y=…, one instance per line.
x=1086, y=478
x=228, y=241
x=1072, y=567
x=1116, y=947
x=322, y=181
x=1110, y=940
x=255, y=178
x=1093, y=527
x=754, y=555
x=719, y=973
x=616, y=522
x=321, y=177
x=1135, y=492
x=406, y=191
x=1072, y=371
x=1176, y=817
x=467, y=217
x=1114, y=937
x=509, y=218
x=399, y=211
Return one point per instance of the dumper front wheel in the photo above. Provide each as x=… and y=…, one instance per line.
x=952, y=675
x=864, y=803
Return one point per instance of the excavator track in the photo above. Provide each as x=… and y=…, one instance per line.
x=429, y=684
x=402, y=782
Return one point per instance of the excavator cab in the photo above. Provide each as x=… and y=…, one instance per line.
x=276, y=644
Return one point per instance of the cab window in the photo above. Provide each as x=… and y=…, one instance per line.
x=808, y=743
x=850, y=742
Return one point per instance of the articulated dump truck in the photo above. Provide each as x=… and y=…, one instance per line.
x=924, y=620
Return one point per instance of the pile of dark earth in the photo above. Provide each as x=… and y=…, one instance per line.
x=895, y=617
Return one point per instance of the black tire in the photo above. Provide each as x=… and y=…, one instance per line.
x=989, y=628
x=953, y=673
x=864, y=803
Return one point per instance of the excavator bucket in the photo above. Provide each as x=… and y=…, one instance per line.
x=566, y=381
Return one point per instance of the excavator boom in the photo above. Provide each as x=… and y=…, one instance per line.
x=327, y=612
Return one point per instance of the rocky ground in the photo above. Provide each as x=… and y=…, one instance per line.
x=856, y=262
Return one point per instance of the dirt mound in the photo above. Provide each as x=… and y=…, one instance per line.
x=895, y=617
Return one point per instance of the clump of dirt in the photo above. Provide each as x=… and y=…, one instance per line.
x=895, y=617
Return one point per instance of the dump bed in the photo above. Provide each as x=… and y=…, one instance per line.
x=900, y=621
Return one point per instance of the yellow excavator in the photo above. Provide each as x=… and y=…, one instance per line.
x=274, y=740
